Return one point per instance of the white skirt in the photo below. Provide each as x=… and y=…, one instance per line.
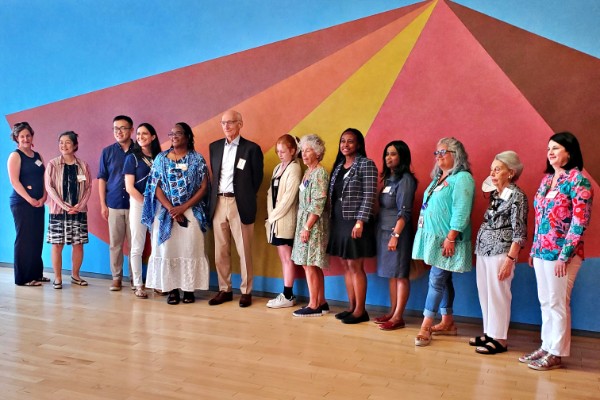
x=180, y=262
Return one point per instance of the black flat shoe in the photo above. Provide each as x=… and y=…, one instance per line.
x=351, y=319
x=343, y=314
x=188, y=297
x=173, y=298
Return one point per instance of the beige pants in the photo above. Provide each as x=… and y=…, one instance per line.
x=227, y=224
x=118, y=231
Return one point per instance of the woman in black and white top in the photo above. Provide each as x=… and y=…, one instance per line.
x=499, y=240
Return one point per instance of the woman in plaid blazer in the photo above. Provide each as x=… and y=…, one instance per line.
x=352, y=192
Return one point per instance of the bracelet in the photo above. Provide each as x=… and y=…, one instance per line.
x=511, y=258
x=394, y=234
x=358, y=226
x=306, y=228
x=451, y=241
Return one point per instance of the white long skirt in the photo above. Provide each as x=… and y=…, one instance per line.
x=180, y=262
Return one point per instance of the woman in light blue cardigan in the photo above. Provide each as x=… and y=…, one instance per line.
x=443, y=238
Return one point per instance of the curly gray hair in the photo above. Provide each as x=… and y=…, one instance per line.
x=315, y=143
x=458, y=153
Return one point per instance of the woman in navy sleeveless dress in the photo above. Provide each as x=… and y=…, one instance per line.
x=26, y=174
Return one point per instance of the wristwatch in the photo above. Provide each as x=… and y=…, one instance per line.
x=394, y=234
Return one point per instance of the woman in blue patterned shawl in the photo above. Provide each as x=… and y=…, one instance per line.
x=175, y=205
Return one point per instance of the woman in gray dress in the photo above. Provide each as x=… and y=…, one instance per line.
x=394, y=231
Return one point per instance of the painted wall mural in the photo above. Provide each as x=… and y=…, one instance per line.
x=417, y=73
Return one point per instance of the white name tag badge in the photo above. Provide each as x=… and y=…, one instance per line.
x=552, y=194
x=241, y=164
x=438, y=188
x=38, y=163
x=181, y=166
x=421, y=221
x=387, y=189
x=81, y=178
x=506, y=193
x=302, y=187
x=276, y=183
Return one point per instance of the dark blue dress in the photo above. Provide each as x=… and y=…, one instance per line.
x=29, y=221
x=396, y=202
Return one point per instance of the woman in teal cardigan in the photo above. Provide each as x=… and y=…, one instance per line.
x=443, y=238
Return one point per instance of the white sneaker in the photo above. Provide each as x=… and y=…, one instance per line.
x=281, y=302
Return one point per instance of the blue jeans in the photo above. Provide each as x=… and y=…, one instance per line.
x=440, y=294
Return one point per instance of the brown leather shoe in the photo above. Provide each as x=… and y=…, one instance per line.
x=221, y=298
x=115, y=286
x=246, y=300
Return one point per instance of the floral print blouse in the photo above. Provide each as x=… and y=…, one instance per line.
x=562, y=214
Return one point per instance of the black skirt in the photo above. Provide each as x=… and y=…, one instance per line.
x=341, y=243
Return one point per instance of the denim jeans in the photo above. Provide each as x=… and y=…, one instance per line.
x=440, y=294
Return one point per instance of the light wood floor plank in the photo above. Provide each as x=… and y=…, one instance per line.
x=89, y=343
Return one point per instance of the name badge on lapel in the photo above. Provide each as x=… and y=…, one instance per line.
x=241, y=164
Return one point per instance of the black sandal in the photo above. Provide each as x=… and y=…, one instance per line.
x=173, y=298
x=491, y=347
x=479, y=340
x=188, y=297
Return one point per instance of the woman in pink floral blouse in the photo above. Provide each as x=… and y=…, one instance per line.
x=563, y=205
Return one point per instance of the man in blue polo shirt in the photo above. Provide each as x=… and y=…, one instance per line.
x=114, y=199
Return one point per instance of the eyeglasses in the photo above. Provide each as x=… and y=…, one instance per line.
x=442, y=152
x=121, y=129
x=175, y=134
x=226, y=123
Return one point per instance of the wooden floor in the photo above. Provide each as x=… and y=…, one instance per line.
x=89, y=343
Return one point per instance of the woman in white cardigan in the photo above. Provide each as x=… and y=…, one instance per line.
x=282, y=208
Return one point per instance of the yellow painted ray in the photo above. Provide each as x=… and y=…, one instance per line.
x=355, y=103
x=358, y=100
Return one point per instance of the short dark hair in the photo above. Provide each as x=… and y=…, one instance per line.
x=189, y=134
x=571, y=145
x=123, y=118
x=405, y=160
x=18, y=127
x=72, y=136
x=360, y=140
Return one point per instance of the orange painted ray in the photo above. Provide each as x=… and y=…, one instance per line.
x=279, y=108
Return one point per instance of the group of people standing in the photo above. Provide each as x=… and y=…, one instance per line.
x=337, y=219
x=311, y=217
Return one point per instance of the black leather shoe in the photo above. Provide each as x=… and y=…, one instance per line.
x=342, y=315
x=351, y=319
x=220, y=298
x=246, y=300
x=173, y=298
x=188, y=297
